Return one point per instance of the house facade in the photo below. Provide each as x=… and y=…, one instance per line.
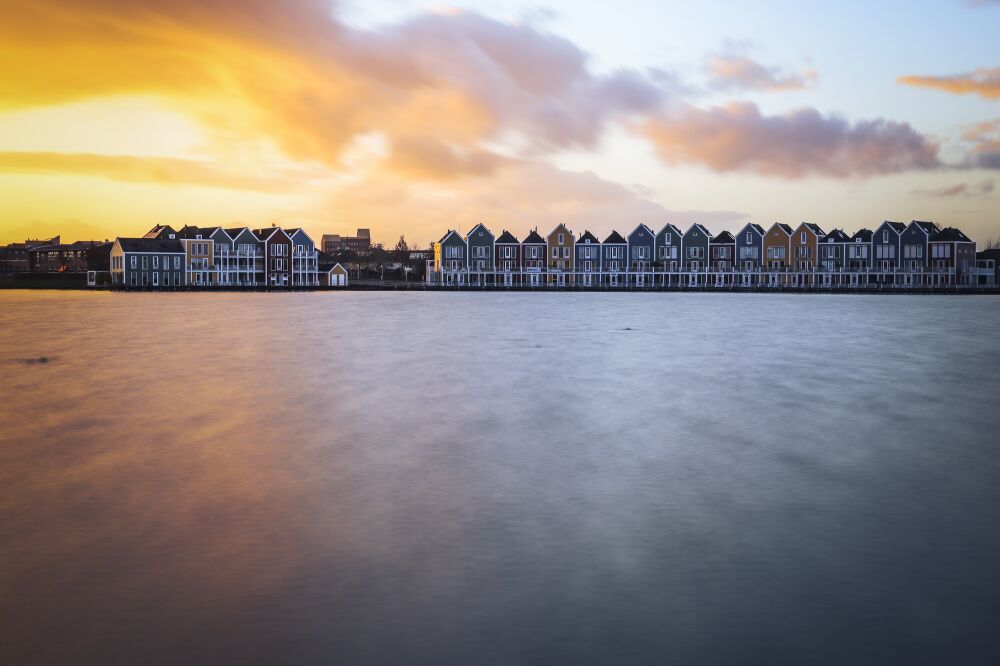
x=721, y=250
x=695, y=252
x=588, y=259
x=668, y=253
x=507, y=259
x=953, y=258
x=276, y=247
x=885, y=252
x=914, y=250
x=560, y=264
x=776, y=253
x=749, y=253
x=641, y=253
x=305, y=259
x=450, y=257
x=147, y=263
x=614, y=260
x=533, y=261
x=803, y=246
x=480, y=244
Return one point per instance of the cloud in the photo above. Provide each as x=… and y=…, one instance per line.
x=738, y=137
x=960, y=190
x=983, y=82
x=129, y=168
x=985, y=140
x=738, y=72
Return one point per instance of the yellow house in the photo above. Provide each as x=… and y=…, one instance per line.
x=334, y=276
x=560, y=259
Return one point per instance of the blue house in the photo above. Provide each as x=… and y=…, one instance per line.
x=668, y=253
x=695, y=253
x=831, y=257
x=480, y=242
x=749, y=253
x=533, y=251
x=641, y=244
x=915, y=252
x=451, y=258
x=885, y=251
x=588, y=259
x=614, y=258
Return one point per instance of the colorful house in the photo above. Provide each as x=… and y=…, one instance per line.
x=641, y=251
x=305, y=259
x=695, y=252
x=668, y=252
x=145, y=263
x=721, y=250
x=507, y=258
x=199, y=259
x=885, y=251
x=276, y=248
x=830, y=258
x=480, y=243
x=332, y=274
x=588, y=259
x=533, y=250
x=450, y=258
x=803, y=247
x=614, y=259
x=749, y=253
x=246, y=263
x=953, y=258
x=914, y=250
x=560, y=265
x=776, y=252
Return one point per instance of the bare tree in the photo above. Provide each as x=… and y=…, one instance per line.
x=993, y=244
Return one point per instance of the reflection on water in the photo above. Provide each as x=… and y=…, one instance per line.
x=386, y=478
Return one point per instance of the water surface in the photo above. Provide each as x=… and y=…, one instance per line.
x=437, y=478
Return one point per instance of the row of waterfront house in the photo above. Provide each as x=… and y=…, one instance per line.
x=918, y=254
x=218, y=257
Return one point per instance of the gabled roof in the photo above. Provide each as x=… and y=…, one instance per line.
x=642, y=227
x=784, y=227
x=895, y=226
x=668, y=225
x=950, y=235
x=151, y=245
x=864, y=234
x=533, y=238
x=451, y=232
x=565, y=230
x=700, y=228
x=813, y=228
x=189, y=231
x=723, y=238
x=484, y=229
x=837, y=236
x=928, y=228
x=588, y=237
x=236, y=232
x=753, y=226
x=160, y=231
x=507, y=237
x=614, y=237
x=269, y=233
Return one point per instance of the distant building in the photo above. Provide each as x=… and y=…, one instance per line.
x=361, y=244
x=331, y=273
x=14, y=256
x=62, y=257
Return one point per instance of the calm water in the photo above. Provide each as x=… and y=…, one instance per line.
x=385, y=478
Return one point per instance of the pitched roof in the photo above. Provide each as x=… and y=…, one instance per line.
x=188, y=231
x=164, y=245
x=449, y=233
x=723, y=238
x=669, y=225
x=896, y=226
x=614, y=237
x=485, y=228
x=950, y=235
x=992, y=253
x=640, y=227
x=864, y=234
x=756, y=227
x=507, y=237
x=929, y=228
x=837, y=236
x=533, y=237
x=159, y=231
x=700, y=228
x=588, y=237
x=813, y=228
x=268, y=232
x=784, y=227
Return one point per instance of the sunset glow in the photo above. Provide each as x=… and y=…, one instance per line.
x=409, y=119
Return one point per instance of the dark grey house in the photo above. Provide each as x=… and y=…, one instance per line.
x=668, y=252
x=533, y=257
x=859, y=255
x=481, y=246
x=749, y=253
x=507, y=258
x=831, y=252
x=246, y=268
x=953, y=258
x=695, y=252
x=614, y=257
x=885, y=251
x=641, y=246
x=147, y=263
x=914, y=249
x=588, y=258
x=451, y=256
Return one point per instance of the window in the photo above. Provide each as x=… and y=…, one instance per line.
x=156, y=262
x=561, y=239
x=555, y=253
x=166, y=279
x=749, y=238
x=144, y=278
x=132, y=261
x=132, y=277
x=177, y=263
x=453, y=252
x=145, y=263
x=177, y=279
x=668, y=239
x=802, y=238
x=506, y=252
x=885, y=236
x=565, y=253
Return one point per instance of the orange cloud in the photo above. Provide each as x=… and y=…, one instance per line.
x=983, y=82
x=738, y=137
x=738, y=72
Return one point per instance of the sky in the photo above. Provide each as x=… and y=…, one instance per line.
x=412, y=118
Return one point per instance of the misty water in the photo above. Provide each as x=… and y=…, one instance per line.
x=467, y=478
